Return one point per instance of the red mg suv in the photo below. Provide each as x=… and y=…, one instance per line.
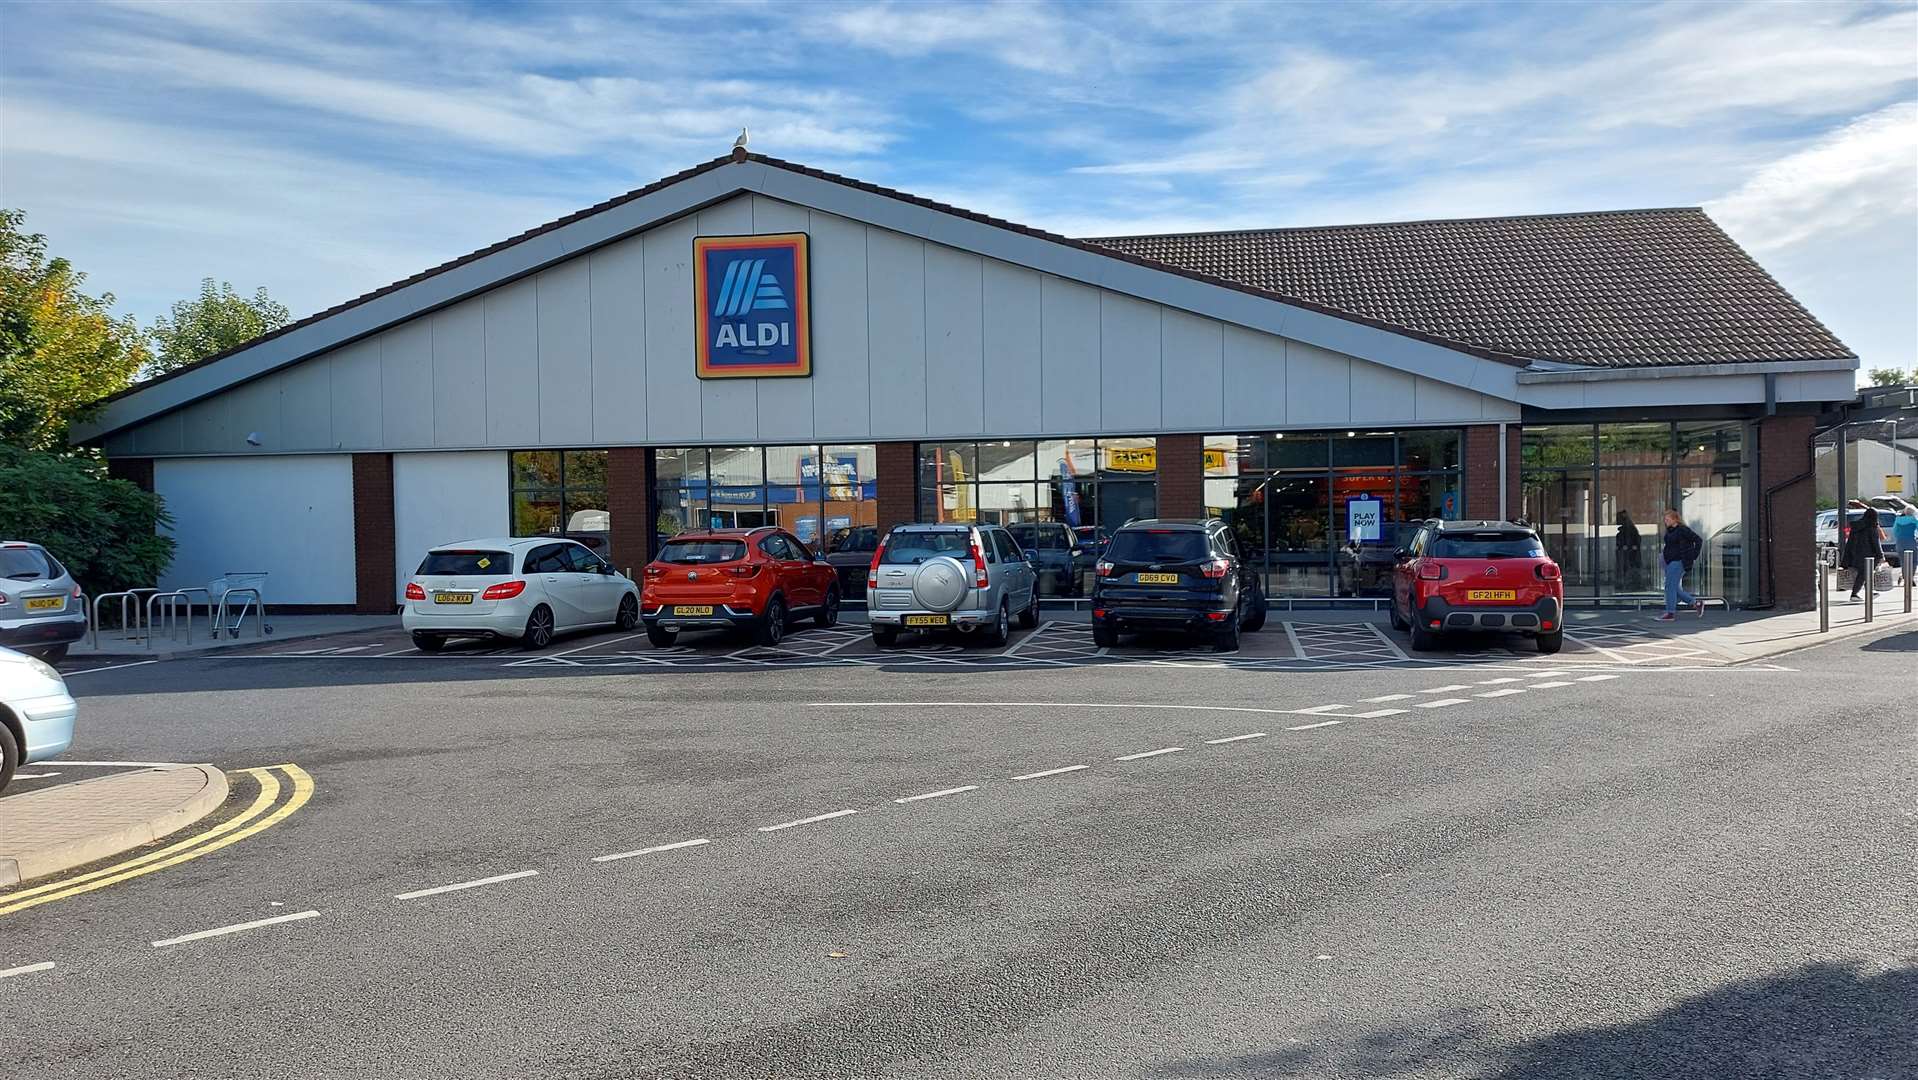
x=1478, y=575
x=754, y=579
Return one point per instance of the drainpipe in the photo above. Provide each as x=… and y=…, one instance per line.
x=1504, y=483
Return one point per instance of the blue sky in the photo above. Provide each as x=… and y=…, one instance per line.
x=322, y=150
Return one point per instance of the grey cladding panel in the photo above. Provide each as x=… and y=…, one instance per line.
x=672, y=389
x=565, y=322
x=1128, y=364
x=1381, y=395
x=1191, y=387
x=1254, y=380
x=1069, y=365
x=1318, y=386
x=896, y=315
x=1011, y=298
x=306, y=405
x=459, y=375
x=512, y=364
x=1442, y=401
x=785, y=405
x=955, y=344
x=619, y=342
x=355, y=387
x=406, y=385
x=840, y=340
x=729, y=408
x=254, y=409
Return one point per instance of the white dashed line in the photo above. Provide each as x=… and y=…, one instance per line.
x=1309, y=727
x=1236, y=738
x=1446, y=689
x=1549, y=685
x=1441, y=703
x=1387, y=697
x=1507, y=692
x=650, y=850
x=937, y=794
x=109, y=667
x=465, y=885
x=1595, y=678
x=806, y=820
x=27, y=970
x=1376, y=713
x=1320, y=710
x=1150, y=753
x=33, y=775
x=1496, y=682
x=1052, y=772
x=235, y=928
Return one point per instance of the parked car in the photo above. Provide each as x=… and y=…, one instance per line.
x=849, y=551
x=524, y=589
x=1055, y=548
x=757, y=580
x=1830, y=543
x=1478, y=576
x=969, y=578
x=1163, y=574
x=36, y=712
x=42, y=609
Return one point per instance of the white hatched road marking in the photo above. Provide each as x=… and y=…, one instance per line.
x=221, y=931
x=1320, y=710
x=1447, y=689
x=1389, y=643
x=27, y=969
x=651, y=850
x=109, y=667
x=1150, y=753
x=1382, y=698
x=938, y=794
x=1309, y=727
x=437, y=890
x=1052, y=772
x=807, y=820
x=1376, y=713
x=33, y=775
x=1292, y=637
x=1441, y=703
x=1507, y=692
x=1498, y=682
x=1549, y=685
x=1236, y=738
x=1044, y=704
x=1595, y=678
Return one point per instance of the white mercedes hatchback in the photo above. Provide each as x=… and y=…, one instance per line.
x=523, y=589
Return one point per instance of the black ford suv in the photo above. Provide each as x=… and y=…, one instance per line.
x=1176, y=575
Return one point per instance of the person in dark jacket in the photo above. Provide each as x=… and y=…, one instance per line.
x=1862, y=546
x=1682, y=546
x=1626, y=548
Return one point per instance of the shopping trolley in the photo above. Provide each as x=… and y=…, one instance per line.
x=235, y=593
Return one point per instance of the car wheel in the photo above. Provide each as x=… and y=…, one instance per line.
x=1255, y=621
x=1104, y=637
x=1001, y=631
x=772, y=628
x=539, y=629
x=661, y=637
x=1552, y=642
x=884, y=637
x=1398, y=621
x=428, y=643
x=1423, y=640
x=628, y=616
x=829, y=611
x=53, y=654
x=9, y=755
x=1029, y=618
x=1226, y=638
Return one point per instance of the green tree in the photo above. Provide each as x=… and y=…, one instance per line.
x=1887, y=376
x=61, y=350
x=216, y=321
x=104, y=530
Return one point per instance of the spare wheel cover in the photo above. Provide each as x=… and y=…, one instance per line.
x=940, y=584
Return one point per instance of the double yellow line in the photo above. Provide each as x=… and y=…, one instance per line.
x=261, y=814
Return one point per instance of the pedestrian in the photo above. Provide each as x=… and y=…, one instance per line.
x=1904, y=535
x=1682, y=546
x=1626, y=548
x=1862, y=546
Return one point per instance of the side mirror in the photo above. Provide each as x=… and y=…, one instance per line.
x=1078, y=550
x=606, y=569
x=1402, y=554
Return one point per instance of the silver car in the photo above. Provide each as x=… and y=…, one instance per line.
x=42, y=610
x=36, y=712
x=969, y=578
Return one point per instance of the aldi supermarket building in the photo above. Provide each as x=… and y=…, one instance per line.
x=755, y=342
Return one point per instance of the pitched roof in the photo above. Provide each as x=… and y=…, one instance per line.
x=1622, y=288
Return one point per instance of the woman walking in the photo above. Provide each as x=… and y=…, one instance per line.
x=1862, y=548
x=1681, y=550
x=1904, y=536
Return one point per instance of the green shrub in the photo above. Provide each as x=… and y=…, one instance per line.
x=103, y=529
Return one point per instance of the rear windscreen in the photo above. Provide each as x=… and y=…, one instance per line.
x=917, y=547
x=1486, y=546
x=466, y=564
x=25, y=564
x=1158, y=545
x=702, y=551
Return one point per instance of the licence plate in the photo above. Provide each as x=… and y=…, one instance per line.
x=928, y=620
x=43, y=603
x=1491, y=594
x=452, y=598
x=1158, y=579
x=693, y=609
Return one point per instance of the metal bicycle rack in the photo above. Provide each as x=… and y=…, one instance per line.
x=130, y=614
x=171, y=613
x=249, y=600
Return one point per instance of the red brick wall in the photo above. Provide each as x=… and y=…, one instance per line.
x=629, y=503
x=137, y=470
x=373, y=560
x=1181, y=476
x=1482, y=475
x=1786, y=552
x=898, y=498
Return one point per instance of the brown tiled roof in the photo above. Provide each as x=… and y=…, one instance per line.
x=1620, y=288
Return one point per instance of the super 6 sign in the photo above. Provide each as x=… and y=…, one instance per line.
x=752, y=306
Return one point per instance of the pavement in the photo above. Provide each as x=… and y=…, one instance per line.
x=49, y=831
x=1622, y=862
x=179, y=638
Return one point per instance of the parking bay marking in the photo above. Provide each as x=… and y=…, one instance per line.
x=27, y=969
x=1440, y=703
x=1318, y=710
x=938, y=794
x=1550, y=685
x=1507, y=692
x=1376, y=713
x=651, y=850
x=1309, y=727
x=221, y=931
x=1236, y=738
x=1595, y=678
x=806, y=821
x=494, y=880
x=1387, y=697
x=1150, y=753
x=1446, y=689
x=1041, y=704
x=1052, y=772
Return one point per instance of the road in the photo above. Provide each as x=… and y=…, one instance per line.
x=1571, y=867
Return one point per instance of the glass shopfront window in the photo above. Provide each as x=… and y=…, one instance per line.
x=560, y=493
x=1597, y=493
x=827, y=496
x=1285, y=498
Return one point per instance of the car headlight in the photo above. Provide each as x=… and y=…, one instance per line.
x=46, y=670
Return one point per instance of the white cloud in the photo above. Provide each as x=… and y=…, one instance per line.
x=1855, y=178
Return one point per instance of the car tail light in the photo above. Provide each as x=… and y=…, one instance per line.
x=979, y=578
x=1545, y=624
x=1103, y=568
x=1215, y=616
x=872, y=568
x=1548, y=571
x=505, y=590
x=655, y=570
x=744, y=571
x=1215, y=568
x=77, y=594
x=414, y=591
x=1431, y=571
x=1098, y=613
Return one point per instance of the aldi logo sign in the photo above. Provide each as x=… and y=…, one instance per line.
x=753, y=308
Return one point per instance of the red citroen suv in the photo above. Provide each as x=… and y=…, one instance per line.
x=1478, y=575
x=754, y=579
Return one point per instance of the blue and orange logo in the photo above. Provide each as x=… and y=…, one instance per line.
x=753, y=310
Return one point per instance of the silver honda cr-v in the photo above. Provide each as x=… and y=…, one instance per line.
x=969, y=578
